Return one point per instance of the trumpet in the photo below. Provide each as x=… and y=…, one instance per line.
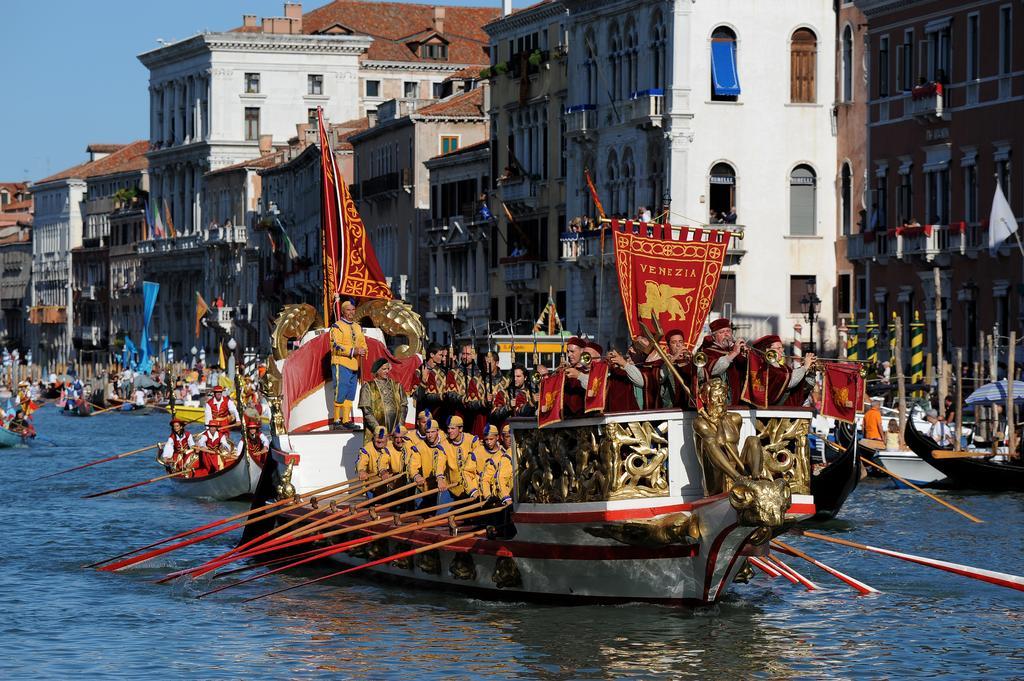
x=586, y=359
x=697, y=359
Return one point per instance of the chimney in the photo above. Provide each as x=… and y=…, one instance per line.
x=371, y=118
x=439, y=19
x=249, y=20
x=506, y=7
x=293, y=11
x=266, y=144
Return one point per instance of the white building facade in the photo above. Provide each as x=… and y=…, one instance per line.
x=215, y=95
x=659, y=130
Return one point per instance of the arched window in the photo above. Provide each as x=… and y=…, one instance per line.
x=629, y=183
x=657, y=51
x=847, y=64
x=803, y=51
x=615, y=60
x=845, y=198
x=632, y=66
x=725, y=79
x=591, y=67
x=721, y=192
x=655, y=177
x=803, y=195
x=611, y=183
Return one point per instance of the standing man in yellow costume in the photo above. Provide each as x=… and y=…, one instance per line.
x=348, y=347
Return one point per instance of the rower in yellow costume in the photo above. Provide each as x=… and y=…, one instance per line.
x=463, y=472
x=496, y=467
x=348, y=347
x=374, y=459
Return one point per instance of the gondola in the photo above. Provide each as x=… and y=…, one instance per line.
x=82, y=408
x=833, y=483
x=979, y=473
x=8, y=438
x=237, y=481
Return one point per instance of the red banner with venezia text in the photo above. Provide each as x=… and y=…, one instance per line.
x=842, y=393
x=350, y=263
x=673, y=280
x=597, y=387
x=549, y=407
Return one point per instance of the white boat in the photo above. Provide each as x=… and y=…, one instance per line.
x=909, y=466
x=237, y=480
x=609, y=508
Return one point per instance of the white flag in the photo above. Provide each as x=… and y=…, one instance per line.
x=1001, y=223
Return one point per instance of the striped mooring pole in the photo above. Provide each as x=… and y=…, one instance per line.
x=851, y=342
x=892, y=338
x=917, y=351
x=871, y=331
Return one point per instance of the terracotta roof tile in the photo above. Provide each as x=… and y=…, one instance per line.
x=18, y=206
x=349, y=128
x=266, y=161
x=126, y=158
x=468, y=72
x=104, y=148
x=476, y=146
x=463, y=104
x=392, y=23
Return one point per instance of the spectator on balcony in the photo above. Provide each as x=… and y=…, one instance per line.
x=219, y=302
x=643, y=214
x=730, y=218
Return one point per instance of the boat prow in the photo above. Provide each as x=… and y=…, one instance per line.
x=236, y=481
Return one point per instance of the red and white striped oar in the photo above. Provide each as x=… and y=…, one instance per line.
x=767, y=569
x=860, y=586
x=998, y=578
x=786, y=570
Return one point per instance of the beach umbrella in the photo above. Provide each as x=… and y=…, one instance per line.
x=144, y=381
x=995, y=393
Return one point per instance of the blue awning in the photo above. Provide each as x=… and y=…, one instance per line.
x=725, y=78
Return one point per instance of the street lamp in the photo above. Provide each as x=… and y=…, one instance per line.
x=232, y=344
x=810, y=304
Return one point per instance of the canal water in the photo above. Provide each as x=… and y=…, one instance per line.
x=62, y=620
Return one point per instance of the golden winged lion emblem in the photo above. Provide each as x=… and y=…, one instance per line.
x=659, y=299
x=841, y=396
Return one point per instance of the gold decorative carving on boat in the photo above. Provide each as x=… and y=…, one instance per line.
x=292, y=323
x=506, y=574
x=462, y=567
x=402, y=563
x=593, y=463
x=429, y=562
x=675, y=528
x=284, y=488
x=762, y=476
x=396, y=318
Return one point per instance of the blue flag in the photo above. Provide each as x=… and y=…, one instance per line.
x=149, y=292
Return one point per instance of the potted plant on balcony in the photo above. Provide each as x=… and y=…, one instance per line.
x=535, y=58
x=501, y=68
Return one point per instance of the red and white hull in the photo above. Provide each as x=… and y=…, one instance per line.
x=563, y=550
x=236, y=481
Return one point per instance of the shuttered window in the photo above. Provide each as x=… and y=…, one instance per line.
x=802, y=199
x=803, y=64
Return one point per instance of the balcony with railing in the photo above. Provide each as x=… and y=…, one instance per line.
x=580, y=119
x=584, y=248
x=646, y=107
x=520, y=272
x=926, y=101
x=227, y=234
x=388, y=182
x=173, y=245
x=457, y=304
x=48, y=314
x=90, y=334
x=518, y=189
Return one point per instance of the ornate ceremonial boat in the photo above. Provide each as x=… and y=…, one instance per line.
x=193, y=414
x=82, y=408
x=237, y=481
x=649, y=506
x=980, y=473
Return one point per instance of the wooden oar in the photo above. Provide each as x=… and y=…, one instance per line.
x=930, y=496
x=319, y=554
x=379, y=561
x=135, y=560
x=98, y=461
x=875, y=445
x=797, y=553
x=785, y=569
x=959, y=454
x=297, y=501
x=100, y=411
x=998, y=578
x=294, y=556
x=136, y=484
x=281, y=544
x=261, y=546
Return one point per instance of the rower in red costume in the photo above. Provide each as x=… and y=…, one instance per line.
x=255, y=443
x=220, y=406
x=177, y=451
x=788, y=387
x=725, y=358
x=214, y=448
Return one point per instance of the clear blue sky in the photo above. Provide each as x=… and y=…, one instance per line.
x=73, y=77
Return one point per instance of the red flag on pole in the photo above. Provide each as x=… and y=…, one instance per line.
x=549, y=407
x=673, y=280
x=350, y=264
x=842, y=391
x=593, y=193
x=597, y=387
